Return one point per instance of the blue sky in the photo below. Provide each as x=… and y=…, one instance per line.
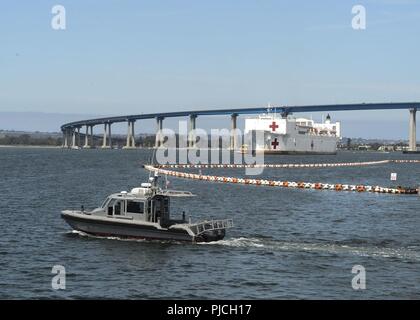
x=124, y=57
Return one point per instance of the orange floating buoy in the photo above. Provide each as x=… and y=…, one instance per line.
x=338, y=187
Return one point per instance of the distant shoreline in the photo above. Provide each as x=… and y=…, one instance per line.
x=139, y=148
x=28, y=146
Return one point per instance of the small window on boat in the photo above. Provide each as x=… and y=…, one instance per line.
x=135, y=207
x=110, y=205
x=117, y=208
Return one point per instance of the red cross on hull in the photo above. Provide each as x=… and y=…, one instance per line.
x=273, y=126
x=275, y=143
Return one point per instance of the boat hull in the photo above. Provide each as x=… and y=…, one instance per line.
x=121, y=229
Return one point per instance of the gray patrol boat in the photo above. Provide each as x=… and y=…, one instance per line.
x=143, y=213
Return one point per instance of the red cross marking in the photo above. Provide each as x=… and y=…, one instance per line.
x=275, y=143
x=273, y=126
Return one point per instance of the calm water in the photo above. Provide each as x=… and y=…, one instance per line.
x=286, y=243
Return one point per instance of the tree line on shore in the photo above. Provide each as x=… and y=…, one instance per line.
x=30, y=140
x=118, y=141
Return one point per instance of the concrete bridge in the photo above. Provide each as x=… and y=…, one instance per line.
x=71, y=131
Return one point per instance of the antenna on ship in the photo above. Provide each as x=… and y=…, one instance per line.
x=152, y=157
x=152, y=163
x=270, y=109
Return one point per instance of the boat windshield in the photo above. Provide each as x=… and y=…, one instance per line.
x=105, y=202
x=176, y=193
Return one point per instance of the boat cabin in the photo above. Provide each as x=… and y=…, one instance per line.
x=151, y=209
x=143, y=204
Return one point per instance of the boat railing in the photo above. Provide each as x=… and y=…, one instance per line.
x=201, y=227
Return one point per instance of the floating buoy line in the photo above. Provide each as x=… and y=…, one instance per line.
x=164, y=170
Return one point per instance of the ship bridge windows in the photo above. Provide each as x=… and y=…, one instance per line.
x=115, y=207
x=119, y=207
x=135, y=207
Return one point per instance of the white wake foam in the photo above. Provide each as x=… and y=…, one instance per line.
x=275, y=245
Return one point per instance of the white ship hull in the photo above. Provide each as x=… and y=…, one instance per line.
x=304, y=144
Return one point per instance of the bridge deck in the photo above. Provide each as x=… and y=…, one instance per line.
x=257, y=110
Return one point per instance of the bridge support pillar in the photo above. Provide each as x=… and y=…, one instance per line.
x=131, y=143
x=128, y=143
x=106, y=142
x=86, y=145
x=105, y=135
x=158, y=141
x=133, y=135
x=78, y=137
x=73, y=138
x=91, y=137
x=109, y=135
x=233, y=134
x=65, y=139
x=191, y=132
x=412, y=141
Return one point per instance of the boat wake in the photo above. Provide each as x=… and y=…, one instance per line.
x=330, y=248
x=278, y=246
